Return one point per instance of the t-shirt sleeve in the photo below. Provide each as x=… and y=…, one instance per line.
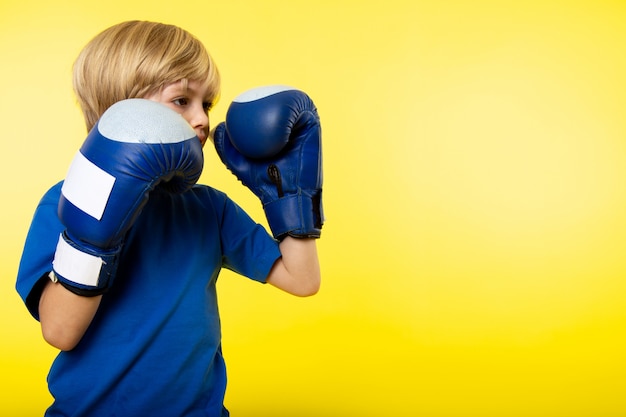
x=38, y=252
x=247, y=247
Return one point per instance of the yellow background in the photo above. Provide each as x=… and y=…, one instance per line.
x=475, y=158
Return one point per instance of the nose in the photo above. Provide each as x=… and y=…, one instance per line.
x=199, y=120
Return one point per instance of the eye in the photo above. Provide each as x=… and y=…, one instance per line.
x=181, y=101
x=207, y=106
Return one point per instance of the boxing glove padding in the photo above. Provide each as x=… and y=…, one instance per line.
x=288, y=181
x=136, y=146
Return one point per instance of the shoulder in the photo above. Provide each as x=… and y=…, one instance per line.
x=52, y=195
x=207, y=192
x=46, y=209
x=207, y=195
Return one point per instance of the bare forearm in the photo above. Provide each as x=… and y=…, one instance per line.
x=65, y=316
x=298, y=271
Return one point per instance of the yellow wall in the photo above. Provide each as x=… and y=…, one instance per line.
x=475, y=165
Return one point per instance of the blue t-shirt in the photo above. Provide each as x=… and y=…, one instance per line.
x=153, y=348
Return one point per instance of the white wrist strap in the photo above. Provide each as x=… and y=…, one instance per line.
x=76, y=266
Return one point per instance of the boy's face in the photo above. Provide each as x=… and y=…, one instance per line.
x=192, y=103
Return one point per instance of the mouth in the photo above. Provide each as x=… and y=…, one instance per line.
x=202, y=136
x=212, y=134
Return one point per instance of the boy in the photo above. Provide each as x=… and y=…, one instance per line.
x=133, y=306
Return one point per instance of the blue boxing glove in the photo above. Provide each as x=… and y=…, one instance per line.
x=271, y=140
x=136, y=145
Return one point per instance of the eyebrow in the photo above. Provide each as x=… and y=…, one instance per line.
x=182, y=87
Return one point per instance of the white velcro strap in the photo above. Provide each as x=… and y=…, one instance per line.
x=87, y=186
x=76, y=266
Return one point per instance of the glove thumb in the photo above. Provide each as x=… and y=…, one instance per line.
x=219, y=136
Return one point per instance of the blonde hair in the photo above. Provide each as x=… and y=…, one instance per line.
x=136, y=58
